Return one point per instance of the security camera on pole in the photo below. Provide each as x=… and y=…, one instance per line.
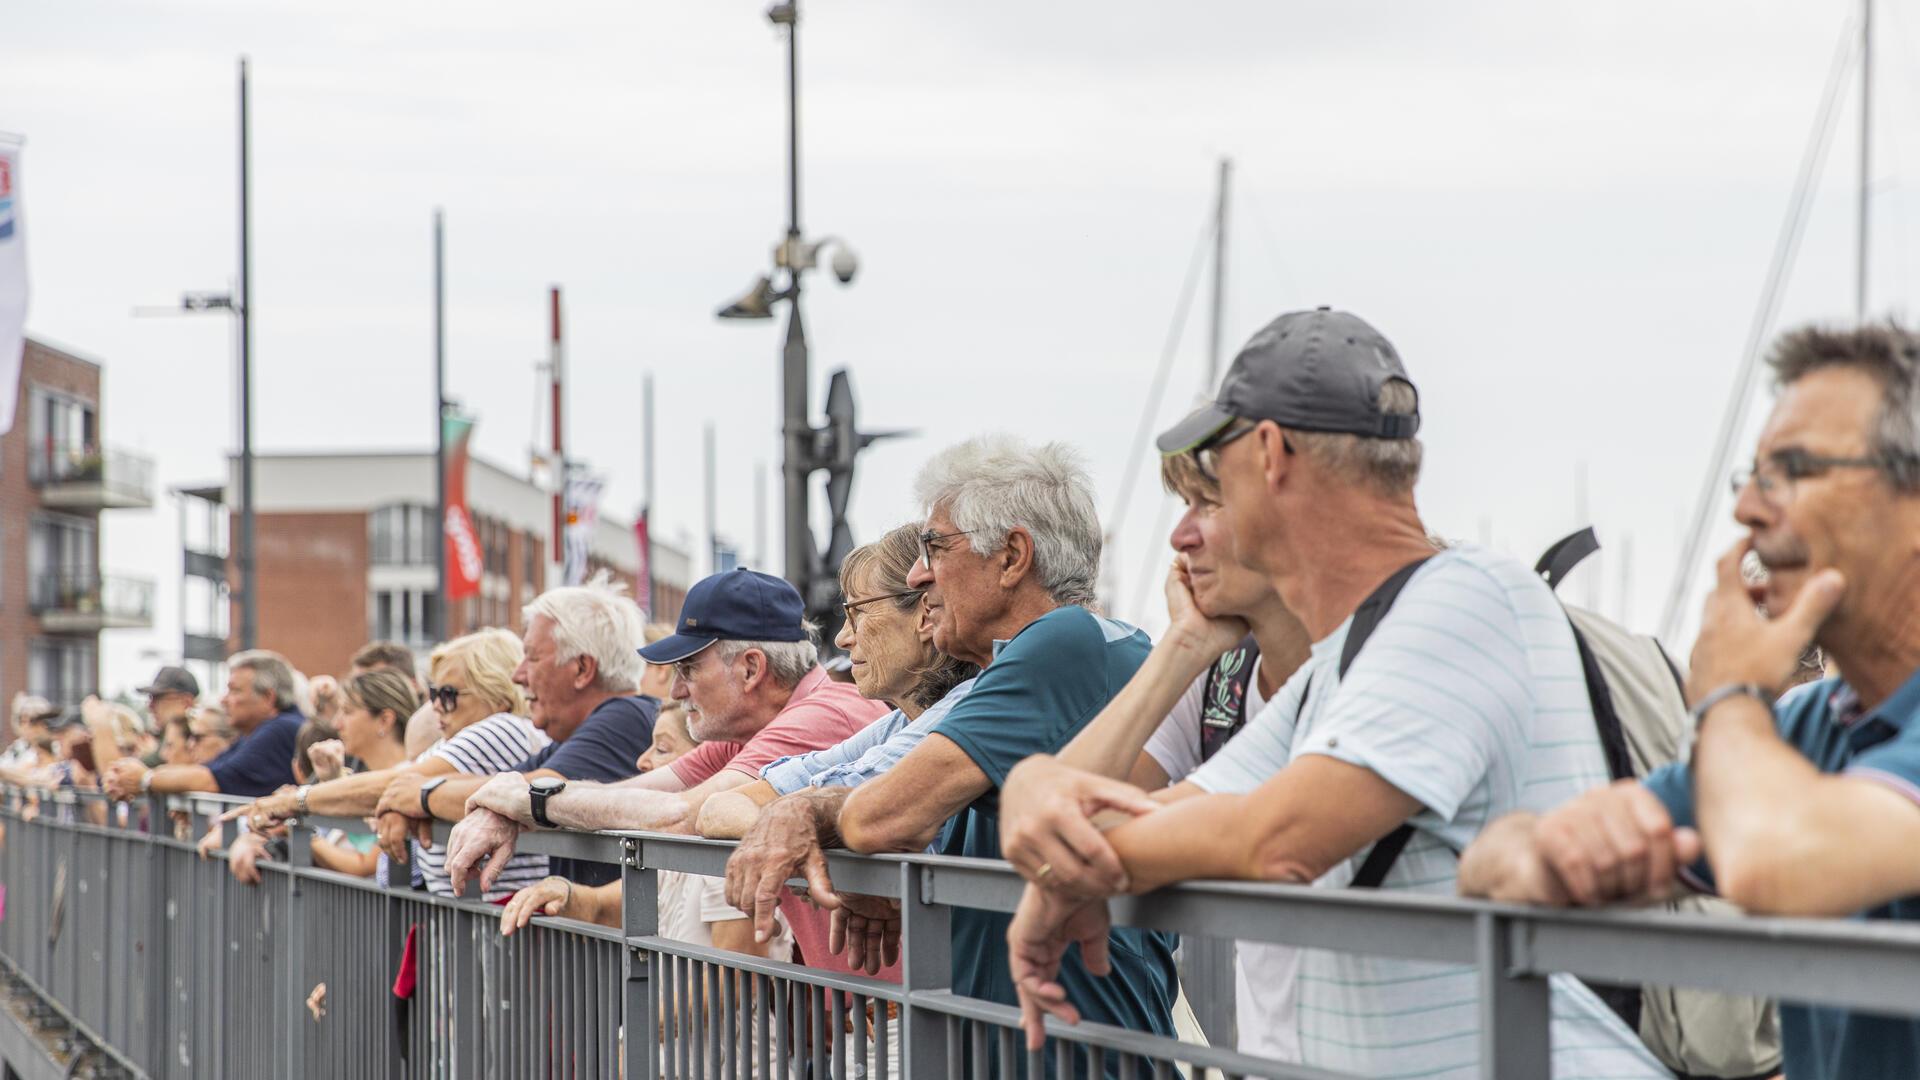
x=807, y=448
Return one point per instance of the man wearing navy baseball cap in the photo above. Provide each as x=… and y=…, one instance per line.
x=747, y=664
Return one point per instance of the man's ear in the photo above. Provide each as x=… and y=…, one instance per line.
x=755, y=664
x=1275, y=459
x=587, y=673
x=1015, y=558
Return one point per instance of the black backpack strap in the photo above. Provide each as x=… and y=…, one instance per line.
x=1559, y=560
x=1366, y=618
x=1223, y=700
x=1606, y=720
x=1381, y=858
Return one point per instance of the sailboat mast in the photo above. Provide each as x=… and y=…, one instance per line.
x=1866, y=156
x=1219, y=275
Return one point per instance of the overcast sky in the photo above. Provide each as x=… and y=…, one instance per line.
x=1561, y=214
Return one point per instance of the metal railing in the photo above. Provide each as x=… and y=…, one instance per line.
x=117, y=472
x=178, y=970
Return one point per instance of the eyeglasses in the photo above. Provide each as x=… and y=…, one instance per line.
x=852, y=607
x=928, y=548
x=1207, y=454
x=1775, y=477
x=444, y=698
x=683, y=669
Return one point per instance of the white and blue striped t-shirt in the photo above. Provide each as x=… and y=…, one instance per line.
x=1469, y=697
x=493, y=745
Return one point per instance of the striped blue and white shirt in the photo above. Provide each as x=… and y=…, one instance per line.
x=493, y=745
x=1469, y=697
x=871, y=751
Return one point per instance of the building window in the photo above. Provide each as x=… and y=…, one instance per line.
x=60, y=561
x=61, y=670
x=404, y=615
x=402, y=535
x=62, y=433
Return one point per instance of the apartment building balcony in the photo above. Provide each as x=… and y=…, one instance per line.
x=75, y=477
x=79, y=602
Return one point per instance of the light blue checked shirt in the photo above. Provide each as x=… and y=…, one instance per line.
x=873, y=750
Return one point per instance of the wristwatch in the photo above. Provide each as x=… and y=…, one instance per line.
x=427, y=790
x=300, y=799
x=538, y=792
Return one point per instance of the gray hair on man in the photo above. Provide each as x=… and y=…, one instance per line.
x=788, y=661
x=994, y=484
x=1887, y=352
x=272, y=676
x=596, y=619
x=1389, y=466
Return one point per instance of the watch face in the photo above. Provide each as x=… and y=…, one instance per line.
x=547, y=785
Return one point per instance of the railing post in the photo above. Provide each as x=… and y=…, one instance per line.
x=926, y=963
x=293, y=961
x=1515, y=1008
x=639, y=917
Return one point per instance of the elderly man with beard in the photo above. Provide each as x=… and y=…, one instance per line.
x=1806, y=803
x=582, y=677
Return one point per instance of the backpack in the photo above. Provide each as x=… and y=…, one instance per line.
x=1640, y=713
x=1223, y=698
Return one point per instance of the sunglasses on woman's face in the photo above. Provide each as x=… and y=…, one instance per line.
x=444, y=698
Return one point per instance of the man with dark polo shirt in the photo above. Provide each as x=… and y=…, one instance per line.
x=582, y=675
x=1808, y=804
x=1009, y=560
x=262, y=708
x=745, y=661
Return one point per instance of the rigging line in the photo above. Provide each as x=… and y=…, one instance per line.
x=1786, y=248
x=1150, y=408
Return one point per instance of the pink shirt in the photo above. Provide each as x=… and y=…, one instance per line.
x=821, y=713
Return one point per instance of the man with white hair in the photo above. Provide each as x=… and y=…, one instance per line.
x=582, y=675
x=744, y=658
x=1009, y=560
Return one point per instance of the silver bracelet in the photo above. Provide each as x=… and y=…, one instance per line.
x=1753, y=690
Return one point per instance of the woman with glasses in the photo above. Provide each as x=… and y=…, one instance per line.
x=484, y=728
x=889, y=640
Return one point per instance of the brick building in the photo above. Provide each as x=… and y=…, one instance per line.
x=57, y=474
x=346, y=553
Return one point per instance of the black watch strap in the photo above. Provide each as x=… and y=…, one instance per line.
x=537, y=802
x=426, y=794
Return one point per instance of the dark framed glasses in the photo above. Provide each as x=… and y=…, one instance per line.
x=444, y=698
x=852, y=607
x=1775, y=475
x=932, y=543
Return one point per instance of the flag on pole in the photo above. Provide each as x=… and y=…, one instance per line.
x=464, y=563
x=643, y=573
x=13, y=281
x=582, y=515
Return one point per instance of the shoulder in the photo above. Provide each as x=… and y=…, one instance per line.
x=1070, y=634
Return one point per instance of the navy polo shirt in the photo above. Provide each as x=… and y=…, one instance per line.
x=1041, y=688
x=261, y=761
x=1825, y=723
x=606, y=747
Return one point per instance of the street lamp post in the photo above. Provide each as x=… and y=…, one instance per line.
x=806, y=449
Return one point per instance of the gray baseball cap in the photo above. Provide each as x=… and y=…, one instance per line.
x=1318, y=370
x=172, y=680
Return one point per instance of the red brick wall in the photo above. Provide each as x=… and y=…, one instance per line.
x=19, y=500
x=312, y=570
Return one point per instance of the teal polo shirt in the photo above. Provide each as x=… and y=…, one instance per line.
x=1042, y=687
x=1825, y=722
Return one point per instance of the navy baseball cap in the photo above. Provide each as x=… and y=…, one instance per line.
x=1318, y=370
x=739, y=605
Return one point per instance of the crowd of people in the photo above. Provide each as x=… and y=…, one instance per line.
x=1340, y=700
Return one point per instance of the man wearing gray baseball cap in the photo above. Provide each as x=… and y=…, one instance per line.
x=1465, y=698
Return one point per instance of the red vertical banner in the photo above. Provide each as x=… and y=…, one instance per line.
x=643, y=574
x=464, y=563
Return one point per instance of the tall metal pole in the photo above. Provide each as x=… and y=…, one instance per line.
x=1866, y=155
x=249, y=593
x=444, y=607
x=796, y=426
x=710, y=495
x=556, y=361
x=646, y=480
x=1219, y=275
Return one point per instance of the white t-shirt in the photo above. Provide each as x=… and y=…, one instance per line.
x=1265, y=1016
x=493, y=745
x=1469, y=697
x=691, y=903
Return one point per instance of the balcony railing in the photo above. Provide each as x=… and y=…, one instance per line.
x=90, y=477
x=83, y=601
x=164, y=963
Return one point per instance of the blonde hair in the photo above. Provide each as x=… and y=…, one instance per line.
x=127, y=728
x=384, y=690
x=489, y=658
x=656, y=631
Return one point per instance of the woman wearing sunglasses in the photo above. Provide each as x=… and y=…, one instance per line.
x=484, y=729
